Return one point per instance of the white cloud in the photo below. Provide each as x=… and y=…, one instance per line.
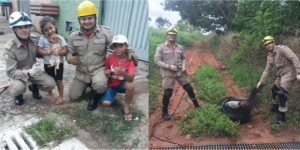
x=156, y=10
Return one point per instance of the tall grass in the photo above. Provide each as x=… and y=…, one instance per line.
x=156, y=37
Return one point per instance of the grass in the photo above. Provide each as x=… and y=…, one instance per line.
x=209, y=121
x=47, y=130
x=209, y=84
x=156, y=37
x=111, y=126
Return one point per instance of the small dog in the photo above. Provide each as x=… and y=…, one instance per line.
x=54, y=59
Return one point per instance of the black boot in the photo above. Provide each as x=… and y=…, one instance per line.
x=275, y=108
x=165, y=113
x=279, y=118
x=195, y=102
x=19, y=99
x=35, y=91
x=92, y=105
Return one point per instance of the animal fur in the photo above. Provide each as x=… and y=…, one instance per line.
x=242, y=112
x=54, y=59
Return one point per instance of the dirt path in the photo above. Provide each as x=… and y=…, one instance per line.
x=256, y=131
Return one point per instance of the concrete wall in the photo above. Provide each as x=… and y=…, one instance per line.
x=68, y=12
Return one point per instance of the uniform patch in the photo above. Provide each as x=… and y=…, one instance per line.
x=8, y=47
x=32, y=35
x=5, y=56
x=284, y=48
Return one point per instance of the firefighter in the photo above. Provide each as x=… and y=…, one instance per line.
x=171, y=59
x=20, y=60
x=87, y=49
x=287, y=65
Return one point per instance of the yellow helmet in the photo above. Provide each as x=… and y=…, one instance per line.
x=86, y=8
x=171, y=30
x=267, y=40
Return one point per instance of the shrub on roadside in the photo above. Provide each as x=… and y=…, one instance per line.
x=209, y=121
x=209, y=84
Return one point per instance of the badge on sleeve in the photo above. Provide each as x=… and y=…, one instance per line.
x=5, y=56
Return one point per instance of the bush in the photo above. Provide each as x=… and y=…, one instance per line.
x=209, y=86
x=209, y=121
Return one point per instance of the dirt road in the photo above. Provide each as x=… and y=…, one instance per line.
x=256, y=131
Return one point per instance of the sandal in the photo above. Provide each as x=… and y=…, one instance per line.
x=126, y=114
x=60, y=102
x=51, y=100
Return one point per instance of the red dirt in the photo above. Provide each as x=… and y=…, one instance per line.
x=260, y=132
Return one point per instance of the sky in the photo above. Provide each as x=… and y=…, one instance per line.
x=156, y=10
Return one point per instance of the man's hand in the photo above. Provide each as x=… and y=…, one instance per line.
x=118, y=70
x=182, y=69
x=107, y=72
x=258, y=85
x=73, y=60
x=36, y=70
x=131, y=56
x=298, y=77
x=173, y=68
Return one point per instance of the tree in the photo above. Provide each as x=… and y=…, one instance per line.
x=184, y=25
x=161, y=22
x=255, y=20
x=209, y=15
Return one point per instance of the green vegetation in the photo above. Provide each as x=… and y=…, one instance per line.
x=210, y=121
x=156, y=37
x=209, y=84
x=239, y=47
x=246, y=58
x=48, y=129
x=112, y=125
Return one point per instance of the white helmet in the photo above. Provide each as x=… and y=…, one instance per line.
x=19, y=19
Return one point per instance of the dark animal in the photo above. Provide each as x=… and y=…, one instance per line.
x=239, y=108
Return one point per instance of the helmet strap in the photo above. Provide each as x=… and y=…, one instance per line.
x=24, y=40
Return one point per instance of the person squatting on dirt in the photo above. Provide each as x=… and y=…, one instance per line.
x=121, y=72
x=87, y=50
x=171, y=59
x=288, y=69
x=20, y=60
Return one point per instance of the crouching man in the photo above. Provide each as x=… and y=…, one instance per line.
x=20, y=60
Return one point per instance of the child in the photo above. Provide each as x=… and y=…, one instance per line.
x=48, y=27
x=121, y=73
